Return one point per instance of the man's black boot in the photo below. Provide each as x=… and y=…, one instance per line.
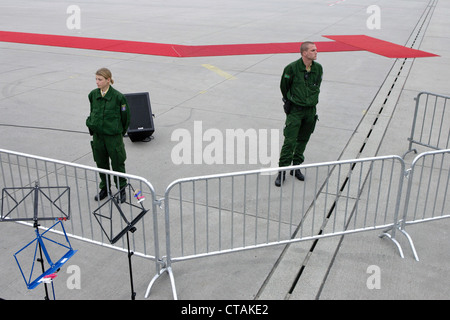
x=298, y=174
x=278, y=180
x=101, y=195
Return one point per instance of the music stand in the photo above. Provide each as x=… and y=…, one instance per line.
x=115, y=230
x=42, y=241
x=30, y=196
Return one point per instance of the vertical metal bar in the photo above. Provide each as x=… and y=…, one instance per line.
x=368, y=192
x=39, y=194
x=358, y=195
x=269, y=183
x=428, y=187
x=432, y=120
x=437, y=184
x=181, y=217
x=207, y=216
x=424, y=117
x=315, y=197
x=220, y=210
x=399, y=196
x=336, y=201
x=348, y=186
x=303, y=213
x=155, y=232
x=292, y=208
x=194, y=216
x=89, y=206
x=280, y=195
x=280, y=212
x=419, y=187
x=143, y=233
x=378, y=193
x=47, y=178
x=441, y=124
x=325, y=207
x=446, y=190
x=245, y=210
x=256, y=205
x=411, y=139
x=78, y=200
x=232, y=215
x=389, y=191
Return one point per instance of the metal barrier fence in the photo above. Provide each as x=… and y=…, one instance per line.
x=431, y=122
x=223, y=213
x=237, y=211
x=67, y=193
x=427, y=194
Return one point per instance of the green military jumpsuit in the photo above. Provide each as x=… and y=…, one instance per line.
x=300, y=89
x=108, y=122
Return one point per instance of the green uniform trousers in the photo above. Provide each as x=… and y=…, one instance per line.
x=106, y=147
x=299, y=126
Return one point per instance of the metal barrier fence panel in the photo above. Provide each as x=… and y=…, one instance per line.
x=230, y=212
x=431, y=122
x=66, y=192
x=428, y=193
x=237, y=211
x=90, y=220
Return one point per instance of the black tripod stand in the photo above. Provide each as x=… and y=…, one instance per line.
x=130, y=253
x=115, y=202
x=41, y=260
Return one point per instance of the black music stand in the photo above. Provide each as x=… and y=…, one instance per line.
x=115, y=230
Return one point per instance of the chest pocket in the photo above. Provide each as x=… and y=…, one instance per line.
x=307, y=88
x=112, y=110
x=111, y=117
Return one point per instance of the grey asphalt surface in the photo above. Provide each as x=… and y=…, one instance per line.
x=43, y=106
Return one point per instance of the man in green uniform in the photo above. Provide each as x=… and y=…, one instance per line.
x=300, y=87
x=108, y=122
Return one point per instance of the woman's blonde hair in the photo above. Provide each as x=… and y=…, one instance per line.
x=105, y=73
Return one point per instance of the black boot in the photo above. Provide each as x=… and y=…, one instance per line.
x=122, y=196
x=298, y=174
x=278, y=180
x=101, y=195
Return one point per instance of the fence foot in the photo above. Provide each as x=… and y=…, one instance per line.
x=410, y=150
x=411, y=243
x=385, y=234
x=172, y=282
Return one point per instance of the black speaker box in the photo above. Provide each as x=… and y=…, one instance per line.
x=141, y=123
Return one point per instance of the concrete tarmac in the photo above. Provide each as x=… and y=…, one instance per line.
x=44, y=105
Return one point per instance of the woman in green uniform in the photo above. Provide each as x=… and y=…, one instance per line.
x=108, y=122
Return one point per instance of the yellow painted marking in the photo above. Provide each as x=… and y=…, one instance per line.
x=219, y=72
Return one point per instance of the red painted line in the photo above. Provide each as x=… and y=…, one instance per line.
x=182, y=51
x=384, y=48
x=258, y=48
x=160, y=49
x=88, y=43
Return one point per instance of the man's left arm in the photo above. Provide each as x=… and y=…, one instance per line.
x=319, y=80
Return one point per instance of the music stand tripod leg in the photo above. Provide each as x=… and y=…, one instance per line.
x=36, y=226
x=130, y=253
